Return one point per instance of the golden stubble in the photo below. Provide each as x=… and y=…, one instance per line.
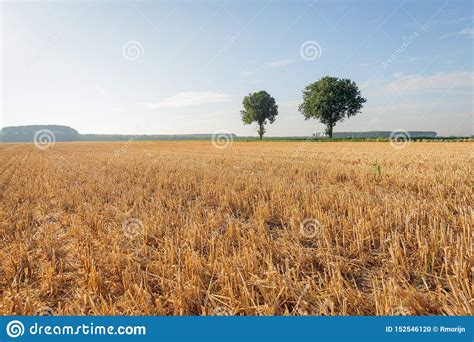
x=184, y=228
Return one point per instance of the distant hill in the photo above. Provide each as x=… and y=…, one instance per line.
x=27, y=133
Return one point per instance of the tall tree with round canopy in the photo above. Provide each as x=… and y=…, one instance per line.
x=261, y=108
x=331, y=100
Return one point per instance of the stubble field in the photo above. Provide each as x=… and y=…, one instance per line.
x=272, y=228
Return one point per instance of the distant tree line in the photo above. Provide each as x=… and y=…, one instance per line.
x=207, y=137
x=65, y=133
x=383, y=134
x=145, y=137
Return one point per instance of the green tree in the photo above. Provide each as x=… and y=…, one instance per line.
x=261, y=108
x=331, y=100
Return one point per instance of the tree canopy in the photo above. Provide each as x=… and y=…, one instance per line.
x=261, y=108
x=331, y=100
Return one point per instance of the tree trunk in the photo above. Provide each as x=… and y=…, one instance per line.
x=261, y=131
x=329, y=130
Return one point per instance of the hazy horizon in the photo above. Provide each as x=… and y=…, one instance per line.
x=118, y=67
x=201, y=133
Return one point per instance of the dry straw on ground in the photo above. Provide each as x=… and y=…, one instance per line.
x=171, y=228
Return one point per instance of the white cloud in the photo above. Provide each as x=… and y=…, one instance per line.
x=418, y=107
x=275, y=64
x=369, y=64
x=187, y=99
x=450, y=61
x=466, y=32
x=289, y=104
x=280, y=63
x=403, y=83
x=217, y=114
x=371, y=83
x=101, y=90
x=439, y=81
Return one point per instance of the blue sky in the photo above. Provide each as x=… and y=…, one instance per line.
x=184, y=66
